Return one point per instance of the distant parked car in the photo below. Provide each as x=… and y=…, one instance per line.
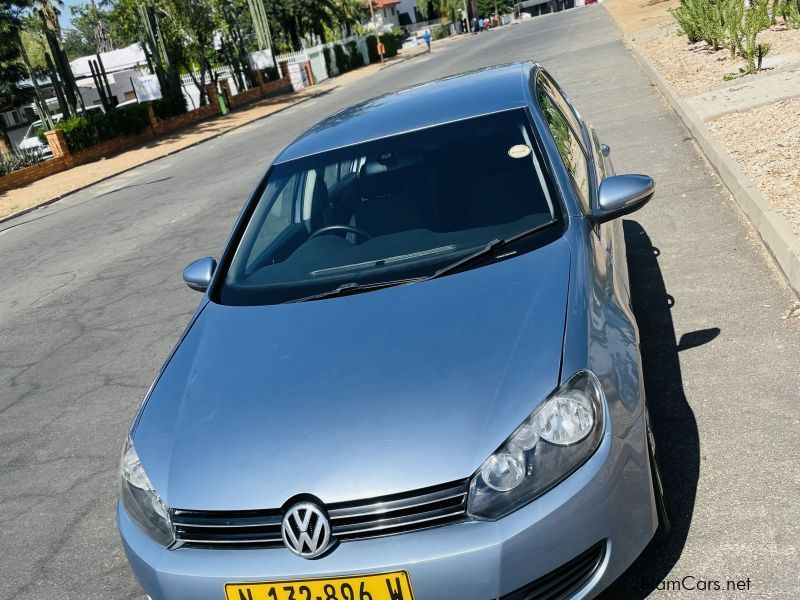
x=414, y=372
x=32, y=143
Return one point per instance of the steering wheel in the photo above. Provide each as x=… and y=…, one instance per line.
x=338, y=228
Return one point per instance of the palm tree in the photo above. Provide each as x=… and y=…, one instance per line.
x=51, y=10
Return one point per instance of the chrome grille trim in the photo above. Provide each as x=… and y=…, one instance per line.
x=354, y=520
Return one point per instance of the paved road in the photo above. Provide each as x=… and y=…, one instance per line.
x=91, y=302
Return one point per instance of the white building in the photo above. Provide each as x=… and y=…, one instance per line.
x=120, y=65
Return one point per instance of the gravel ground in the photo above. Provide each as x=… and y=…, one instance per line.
x=765, y=141
x=695, y=68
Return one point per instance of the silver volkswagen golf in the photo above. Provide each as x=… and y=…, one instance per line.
x=414, y=372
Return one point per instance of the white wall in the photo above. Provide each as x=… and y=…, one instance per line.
x=120, y=84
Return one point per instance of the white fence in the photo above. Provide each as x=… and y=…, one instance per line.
x=316, y=56
x=191, y=92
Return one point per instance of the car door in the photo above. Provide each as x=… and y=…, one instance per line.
x=583, y=156
x=611, y=233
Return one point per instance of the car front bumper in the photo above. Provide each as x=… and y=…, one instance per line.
x=608, y=501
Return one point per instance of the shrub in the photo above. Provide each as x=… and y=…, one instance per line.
x=128, y=120
x=789, y=11
x=85, y=131
x=19, y=160
x=342, y=60
x=703, y=20
x=392, y=41
x=326, y=53
x=356, y=59
x=170, y=106
x=270, y=74
x=441, y=32
x=727, y=23
x=756, y=19
x=79, y=132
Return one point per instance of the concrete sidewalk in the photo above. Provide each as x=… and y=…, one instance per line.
x=768, y=211
x=739, y=96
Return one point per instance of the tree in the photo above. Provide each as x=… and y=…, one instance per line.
x=193, y=22
x=298, y=19
x=76, y=44
x=34, y=43
x=449, y=10
x=50, y=10
x=12, y=71
x=487, y=8
x=93, y=29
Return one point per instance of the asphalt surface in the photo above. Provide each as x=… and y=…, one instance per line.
x=91, y=302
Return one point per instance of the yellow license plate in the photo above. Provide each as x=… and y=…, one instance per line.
x=383, y=586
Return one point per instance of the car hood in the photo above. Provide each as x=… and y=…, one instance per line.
x=31, y=142
x=355, y=397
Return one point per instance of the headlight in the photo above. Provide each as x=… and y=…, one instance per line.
x=140, y=499
x=554, y=441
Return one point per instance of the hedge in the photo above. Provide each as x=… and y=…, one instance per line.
x=441, y=32
x=169, y=106
x=326, y=53
x=85, y=131
x=392, y=42
x=356, y=59
x=342, y=60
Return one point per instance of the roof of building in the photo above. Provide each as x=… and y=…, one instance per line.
x=442, y=101
x=115, y=60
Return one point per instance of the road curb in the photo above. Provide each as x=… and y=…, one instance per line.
x=772, y=227
x=50, y=201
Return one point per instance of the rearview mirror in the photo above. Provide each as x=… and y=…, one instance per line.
x=198, y=274
x=622, y=194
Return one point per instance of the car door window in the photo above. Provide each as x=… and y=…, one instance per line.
x=569, y=147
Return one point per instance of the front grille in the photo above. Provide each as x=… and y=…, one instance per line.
x=360, y=519
x=564, y=581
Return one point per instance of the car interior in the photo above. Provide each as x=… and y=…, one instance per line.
x=396, y=207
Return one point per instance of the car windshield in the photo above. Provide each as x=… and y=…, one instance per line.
x=390, y=210
x=33, y=130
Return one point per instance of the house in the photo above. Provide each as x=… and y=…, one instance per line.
x=120, y=65
x=386, y=13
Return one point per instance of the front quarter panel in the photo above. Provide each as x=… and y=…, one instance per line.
x=601, y=332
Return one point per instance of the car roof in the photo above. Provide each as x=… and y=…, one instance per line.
x=455, y=98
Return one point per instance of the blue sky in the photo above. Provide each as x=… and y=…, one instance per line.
x=65, y=12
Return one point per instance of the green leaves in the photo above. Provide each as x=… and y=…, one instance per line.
x=727, y=23
x=19, y=160
x=85, y=131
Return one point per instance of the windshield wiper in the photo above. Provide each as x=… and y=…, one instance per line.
x=347, y=289
x=490, y=249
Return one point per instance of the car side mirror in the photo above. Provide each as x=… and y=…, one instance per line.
x=198, y=274
x=622, y=194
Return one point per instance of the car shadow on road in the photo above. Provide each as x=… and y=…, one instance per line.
x=672, y=420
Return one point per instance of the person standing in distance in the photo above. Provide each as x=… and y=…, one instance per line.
x=427, y=38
